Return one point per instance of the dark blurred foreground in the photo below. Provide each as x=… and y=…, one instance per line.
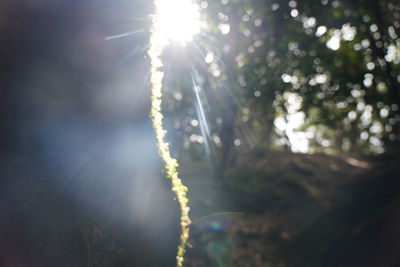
x=279, y=209
x=298, y=210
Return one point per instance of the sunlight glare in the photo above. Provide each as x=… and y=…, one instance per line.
x=179, y=20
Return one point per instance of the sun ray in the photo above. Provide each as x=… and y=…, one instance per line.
x=202, y=117
x=196, y=89
x=122, y=35
x=219, y=60
x=133, y=53
x=136, y=97
x=244, y=131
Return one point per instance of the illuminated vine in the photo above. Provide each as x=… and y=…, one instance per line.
x=157, y=43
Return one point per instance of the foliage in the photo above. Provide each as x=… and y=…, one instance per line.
x=311, y=75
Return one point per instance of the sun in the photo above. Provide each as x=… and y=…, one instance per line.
x=178, y=20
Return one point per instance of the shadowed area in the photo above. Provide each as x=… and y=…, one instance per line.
x=81, y=181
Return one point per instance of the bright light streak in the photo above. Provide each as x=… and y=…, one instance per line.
x=202, y=115
x=178, y=20
x=205, y=131
x=123, y=35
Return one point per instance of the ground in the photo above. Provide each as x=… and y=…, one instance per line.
x=284, y=209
